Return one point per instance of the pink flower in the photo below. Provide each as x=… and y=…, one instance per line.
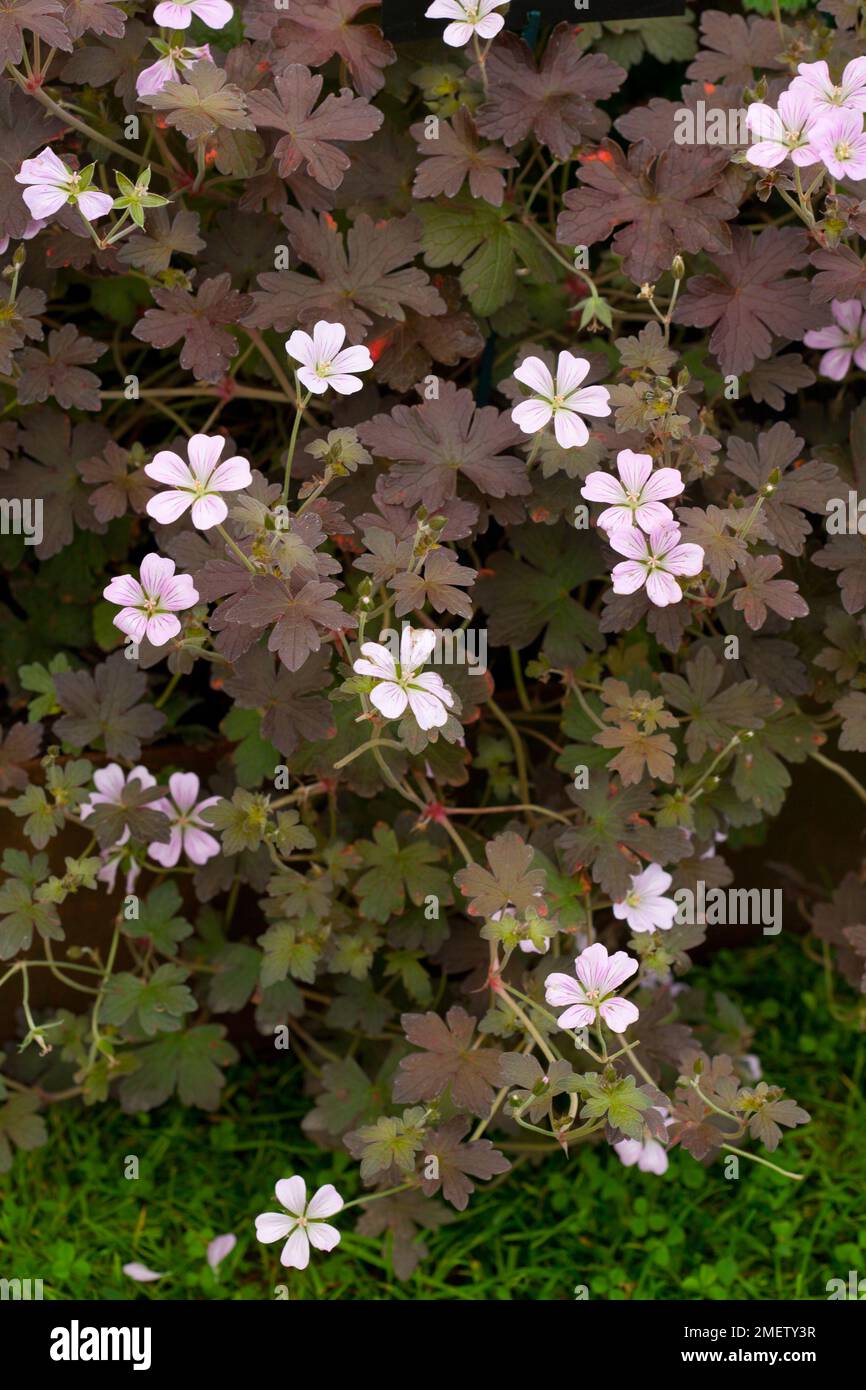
x=649, y=1154
x=177, y=14
x=149, y=604
x=653, y=560
x=636, y=497
x=52, y=184
x=561, y=400
x=219, y=1248
x=783, y=133
x=840, y=144
x=323, y=364
x=140, y=1273
x=196, y=484
x=110, y=783
x=644, y=907
x=187, y=828
x=111, y=860
x=175, y=59
x=33, y=228
x=469, y=16
x=825, y=96
x=845, y=339
x=400, y=685
x=591, y=995
x=305, y=1224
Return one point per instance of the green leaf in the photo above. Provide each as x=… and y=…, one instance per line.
x=616, y=1099
x=187, y=1063
x=237, y=967
x=390, y=1141
x=395, y=872
x=20, y=1125
x=287, y=953
x=43, y=820
x=488, y=244
x=254, y=757
x=158, y=920
x=35, y=676
x=157, y=1004
x=105, y=634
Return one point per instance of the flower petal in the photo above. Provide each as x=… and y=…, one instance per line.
x=618, y=1014
x=325, y=1202
x=208, y=511
x=533, y=373
x=204, y=451
x=292, y=1194
x=273, y=1225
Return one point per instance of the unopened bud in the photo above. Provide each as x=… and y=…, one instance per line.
x=678, y=267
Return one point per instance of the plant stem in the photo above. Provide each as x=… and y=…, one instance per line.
x=840, y=772
x=81, y=126
x=765, y=1162
x=236, y=548
x=303, y=401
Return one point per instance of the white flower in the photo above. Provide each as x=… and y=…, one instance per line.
x=178, y=14
x=644, y=907
x=322, y=362
x=219, y=1248
x=400, y=684
x=305, y=1224
x=591, y=995
x=563, y=400
x=51, y=184
x=826, y=96
x=198, y=483
x=784, y=132
x=653, y=560
x=468, y=18
x=649, y=1154
x=140, y=1273
x=636, y=497
x=148, y=604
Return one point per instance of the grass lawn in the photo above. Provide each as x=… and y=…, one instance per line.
x=69, y=1217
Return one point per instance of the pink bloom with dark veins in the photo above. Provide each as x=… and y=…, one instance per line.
x=826, y=96
x=150, y=603
x=784, y=133
x=845, y=339
x=655, y=561
x=51, y=184
x=175, y=60
x=840, y=144
x=636, y=497
x=562, y=400
x=188, y=833
x=592, y=994
x=178, y=14
x=198, y=483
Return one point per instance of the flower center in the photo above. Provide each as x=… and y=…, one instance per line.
x=593, y=996
x=323, y=368
x=842, y=150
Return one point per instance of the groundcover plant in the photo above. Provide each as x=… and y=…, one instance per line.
x=432, y=545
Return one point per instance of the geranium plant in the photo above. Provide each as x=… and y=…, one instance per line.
x=432, y=545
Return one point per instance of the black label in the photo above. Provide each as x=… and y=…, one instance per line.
x=405, y=19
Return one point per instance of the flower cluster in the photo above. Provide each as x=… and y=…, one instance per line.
x=641, y=527
x=816, y=120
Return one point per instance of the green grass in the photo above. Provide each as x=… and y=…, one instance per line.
x=70, y=1217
